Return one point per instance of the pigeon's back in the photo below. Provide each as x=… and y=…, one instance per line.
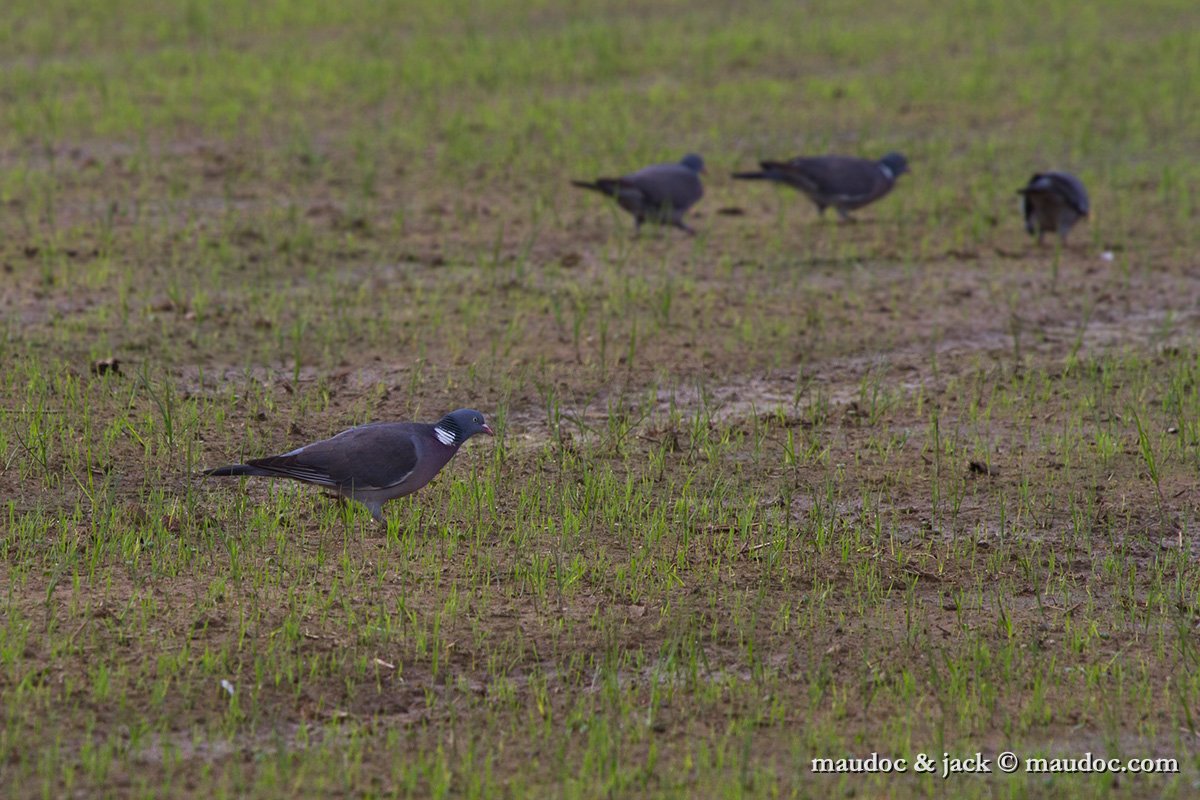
x=668, y=185
x=1069, y=188
x=839, y=176
x=374, y=455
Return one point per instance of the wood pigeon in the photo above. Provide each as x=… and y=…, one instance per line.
x=844, y=182
x=372, y=463
x=1053, y=201
x=660, y=193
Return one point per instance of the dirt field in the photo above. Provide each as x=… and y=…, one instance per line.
x=787, y=490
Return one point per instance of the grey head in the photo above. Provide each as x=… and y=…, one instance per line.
x=458, y=426
x=693, y=162
x=895, y=164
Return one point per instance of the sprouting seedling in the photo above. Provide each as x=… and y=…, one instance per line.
x=1055, y=263
x=631, y=354
x=1146, y=449
x=1015, y=327
x=602, y=324
x=1081, y=329
x=580, y=306
x=665, y=295
x=1167, y=327
x=164, y=402
x=556, y=310
x=935, y=435
x=528, y=240
x=298, y=330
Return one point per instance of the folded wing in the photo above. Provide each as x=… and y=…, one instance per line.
x=666, y=186
x=833, y=178
x=372, y=457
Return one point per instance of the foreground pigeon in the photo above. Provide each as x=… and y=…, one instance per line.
x=844, y=182
x=372, y=463
x=661, y=193
x=1054, y=201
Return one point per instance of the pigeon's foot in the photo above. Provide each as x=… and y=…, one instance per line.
x=337, y=498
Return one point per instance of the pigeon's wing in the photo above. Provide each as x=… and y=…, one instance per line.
x=628, y=196
x=1064, y=186
x=1028, y=210
x=664, y=186
x=833, y=177
x=1070, y=189
x=369, y=457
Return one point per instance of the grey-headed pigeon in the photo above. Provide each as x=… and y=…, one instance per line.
x=1053, y=201
x=660, y=193
x=844, y=182
x=372, y=463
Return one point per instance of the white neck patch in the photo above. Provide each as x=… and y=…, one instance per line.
x=887, y=172
x=444, y=436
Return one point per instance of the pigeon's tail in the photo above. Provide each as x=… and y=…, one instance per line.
x=237, y=469
x=767, y=174
x=601, y=185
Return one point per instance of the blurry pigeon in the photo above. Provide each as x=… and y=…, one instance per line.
x=660, y=193
x=844, y=182
x=1054, y=201
x=372, y=463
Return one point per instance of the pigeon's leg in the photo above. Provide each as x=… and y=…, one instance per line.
x=844, y=215
x=821, y=210
x=345, y=510
x=376, y=510
x=1063, y=230
x=683, y=226
x=637, y=225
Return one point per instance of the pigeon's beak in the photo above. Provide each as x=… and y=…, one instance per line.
x=488, y=429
